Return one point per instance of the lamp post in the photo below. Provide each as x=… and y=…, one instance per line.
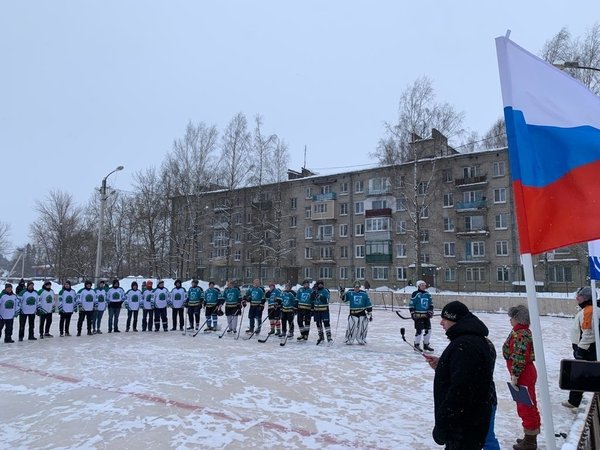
x=103, y=198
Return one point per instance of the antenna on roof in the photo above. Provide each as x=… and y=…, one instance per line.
x=304, y=166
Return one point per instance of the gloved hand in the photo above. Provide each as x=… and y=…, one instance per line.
x=429, y=314
x=579, y=353
x=370, y=316
x=514, y=380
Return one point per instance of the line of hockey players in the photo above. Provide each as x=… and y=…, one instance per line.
x=283, y=306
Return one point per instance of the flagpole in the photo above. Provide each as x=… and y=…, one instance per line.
x=596, y=319
x=540, y=359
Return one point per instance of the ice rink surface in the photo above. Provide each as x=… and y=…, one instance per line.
x=157, y=390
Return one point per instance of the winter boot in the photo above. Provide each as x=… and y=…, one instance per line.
x=272, y=331
x=321, y=338
x=427, y=347
x=250, y=330
x=417, y=347
x=529, y=441
x=300, y=338
x=257, y=331
x=290, y=334
x=278, y=332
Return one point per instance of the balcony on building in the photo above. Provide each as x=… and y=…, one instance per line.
x=323, y=240
x=470, y=181
x=470, y=259
x=323, y=206
x=475, y=231
x=470, y=206
x=384, y=190
x=323, y=260
x=381, y=212
x=379, y=251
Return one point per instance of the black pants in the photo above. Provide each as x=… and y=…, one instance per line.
x=575, y=397
x=160, y=315
x=322, y=319
x=177, y=312
x=147, y=319
x=45, y=322
x=87, y=316
x=65, y=322
x=194, y=315
x=131, y=314
x=7, y=324
x=23, y=321
x=304, y=321
x=287, y=318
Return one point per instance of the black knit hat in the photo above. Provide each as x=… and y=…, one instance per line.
x=455, y=311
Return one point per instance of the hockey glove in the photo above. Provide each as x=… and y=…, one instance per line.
x=429, y=314
x=370, y=316
x=579, y=353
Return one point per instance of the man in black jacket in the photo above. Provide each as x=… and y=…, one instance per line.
x=461, y=386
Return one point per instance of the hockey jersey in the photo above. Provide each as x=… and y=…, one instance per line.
x=86, y=299
x=9, y=305
x=178, y=297
x=46, y=301
x=161, y=297
x=133, y=300
x=67, y=299
x=28, y=302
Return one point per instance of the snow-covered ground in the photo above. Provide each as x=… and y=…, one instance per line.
x=166, y=390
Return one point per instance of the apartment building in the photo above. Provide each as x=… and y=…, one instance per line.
x=444, y=216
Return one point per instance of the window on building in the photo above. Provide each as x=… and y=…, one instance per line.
x=293, y=221
x=502, y=274
x=448, y=224
x=293, y=203
x=248, y=218
x=501, y=221
x=308, y=253
x=472, y=196
x=343, y=273
x=425, y=212
x=401, y=273
x=248, y=272
x=401, y=227
x=320, y=208
x=325, y=273
x=344, y=252
x=401, y=204
x=476, y=248
x=359, y=229
x=360, y=273
x=237, y=219
x=425, y=258
x=307, y=273
x=343, y=209
x=325, y=232
x=474, y=223
x=292, y=243
x=326, y=189
x=359, y=208
x=238, y=237
x=379, y=185
x=344, y=187
x=378, y=248
x=560, y=274
x=447, y=175
x=326, y=252
x=448, y=200
x=237, y=255
x=307, y=192
x=474, y=274
x=359, y=251
x=450, y=249
x=501, y=248
x=422, y=187
x=379, y=204
x=359, y=186
x=450, y=274
x=499, y=170
x=380, y=273
x=378, y=224
x=424, y=235
x=471, y=171
x=400, y=250
x=308, y=232
x=500, y=195
x=307, y=212
x=343, y=230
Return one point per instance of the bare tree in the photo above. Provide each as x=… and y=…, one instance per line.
x=56, y=231
x=4, y=235
x=418, y=114
x=495, y=137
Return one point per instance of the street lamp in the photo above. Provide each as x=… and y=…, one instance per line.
x=103, y=198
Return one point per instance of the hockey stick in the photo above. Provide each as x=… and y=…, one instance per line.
x=258, y=328
x=227, y=327
x=262, y=341
x=416, y=349
x=284, y=341
x=237, y=336
x=337, y=323
x=402, y=317
x=202, y=326
x=185, y=322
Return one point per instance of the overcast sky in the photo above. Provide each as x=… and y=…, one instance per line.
x=86, y=86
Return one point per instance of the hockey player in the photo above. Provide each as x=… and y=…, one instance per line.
x=67, y=299
x=256, y=296
x=115, y=297
x=45, y=309
x=133, y=301
x=273, y=296
x=177, y=299
x=9, y=307
x=360, y=314
x=233, y=306
x=27, y=307
x=86, y=302
x=160, y=298
x=421, y=311
x=148, y=306
x=212, y=297
x=305, y=307
x=289, y=303
x=101, y=305
x=194, y=304
x=320, y=298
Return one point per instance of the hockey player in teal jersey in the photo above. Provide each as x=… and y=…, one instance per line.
x=194, y=304
x=133, y=301
x=320, y=298
x=28, y=301
x=177, y=299
x=256, y=296
x=67, y=299
x=360, y=314
x=212, y=302
x=45, y=309
x=305, y=308
x=289, y=304
x=421, y=311
x=273, y=296
x=233, y=306
x=9, y=308
x=86, y=302
x=101, y=305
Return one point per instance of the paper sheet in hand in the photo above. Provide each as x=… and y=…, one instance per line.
x=521, y=396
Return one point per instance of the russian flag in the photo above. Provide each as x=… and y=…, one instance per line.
x=553, y=130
